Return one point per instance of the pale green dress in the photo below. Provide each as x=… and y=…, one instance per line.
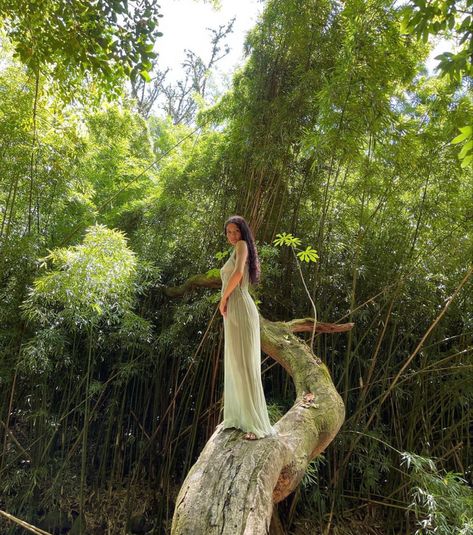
x=244, y=403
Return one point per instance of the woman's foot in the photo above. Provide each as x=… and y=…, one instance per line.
x=250, y=436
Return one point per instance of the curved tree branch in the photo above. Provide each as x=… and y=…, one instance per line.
x=211, y=279
x=233, y=485
x=206, y=280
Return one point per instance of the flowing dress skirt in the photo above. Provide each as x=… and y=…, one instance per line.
x=244, y=401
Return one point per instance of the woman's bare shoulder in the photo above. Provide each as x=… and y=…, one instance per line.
x=241, y=245
x=241, y=252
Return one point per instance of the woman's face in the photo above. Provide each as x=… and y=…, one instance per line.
x=233, y=233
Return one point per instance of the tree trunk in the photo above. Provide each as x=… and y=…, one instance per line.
x=233, y=485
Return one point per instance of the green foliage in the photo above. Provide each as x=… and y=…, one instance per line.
x=101, y=42
x=447, y=17
x=134, y=332
x=439, y=17
x=442, y=501
x=117, y=148
x=275, y=412
x=332, y=131
x=86, y=283
x=309, y=254
x=214, y=272
x=466, y=153
x=220, y=255
x=47, y=347
x=310, y=481
x=286, y=239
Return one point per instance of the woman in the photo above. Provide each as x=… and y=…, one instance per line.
x=244, y=403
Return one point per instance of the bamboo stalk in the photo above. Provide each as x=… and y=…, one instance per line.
x=7, y=423
x=382, y=398
x=23, y=524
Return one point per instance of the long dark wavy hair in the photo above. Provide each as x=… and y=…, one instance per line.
x=247, y=235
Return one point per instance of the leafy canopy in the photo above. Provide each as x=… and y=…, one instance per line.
x=103, y=41
x=447, y=17
x=88, y=282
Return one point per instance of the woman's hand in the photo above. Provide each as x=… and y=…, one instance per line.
x=223, y=306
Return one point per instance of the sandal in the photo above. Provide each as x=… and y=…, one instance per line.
x=250, y=436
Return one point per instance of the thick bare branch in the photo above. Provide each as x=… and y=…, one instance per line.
x=207, y=280
x=307, y=324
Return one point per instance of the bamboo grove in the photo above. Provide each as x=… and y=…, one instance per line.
x=332, y=131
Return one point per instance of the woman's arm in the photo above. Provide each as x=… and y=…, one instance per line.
x=241, y=254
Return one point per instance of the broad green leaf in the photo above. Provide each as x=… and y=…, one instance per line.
x=467, y=161
x=466, y=149
x=286, y=239
x=145, y=75
x=220, y=255
x=308, y=255
x=466, y=133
